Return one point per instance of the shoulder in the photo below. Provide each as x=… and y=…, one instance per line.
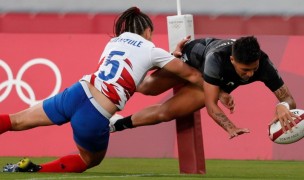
x=157, y=50
x=213, y=59
x=213, y=65
x=265, y=62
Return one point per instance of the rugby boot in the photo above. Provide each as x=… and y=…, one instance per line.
x=24, y=165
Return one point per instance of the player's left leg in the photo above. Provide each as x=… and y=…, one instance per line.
x=76, y=163
x=92, y=158
x=188, y=99
x=91, y=134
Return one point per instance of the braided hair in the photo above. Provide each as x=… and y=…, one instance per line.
x=132, y=20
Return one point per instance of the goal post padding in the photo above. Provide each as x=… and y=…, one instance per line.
x=189, y=130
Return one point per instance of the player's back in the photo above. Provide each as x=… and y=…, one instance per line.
x=196, y=51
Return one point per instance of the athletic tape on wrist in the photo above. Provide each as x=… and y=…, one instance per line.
x=284, y=104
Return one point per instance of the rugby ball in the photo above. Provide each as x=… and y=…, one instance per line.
x=277, y=135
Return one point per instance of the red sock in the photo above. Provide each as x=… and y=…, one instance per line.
x=5, y=123
x=70, y=163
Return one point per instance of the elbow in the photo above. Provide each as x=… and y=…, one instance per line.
x=196, y=78
x=209, y=110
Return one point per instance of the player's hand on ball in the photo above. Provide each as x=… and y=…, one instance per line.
x=285, y=116
x=237, y=131
x=278, y=135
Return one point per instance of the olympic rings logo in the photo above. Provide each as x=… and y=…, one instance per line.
x=19, y=83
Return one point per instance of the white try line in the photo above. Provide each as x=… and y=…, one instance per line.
x=107, y=176
x=71, y=177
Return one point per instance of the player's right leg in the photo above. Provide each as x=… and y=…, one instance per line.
x=26, y=119
x=188, y=99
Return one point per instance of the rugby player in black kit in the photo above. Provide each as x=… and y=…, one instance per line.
x=225, y=65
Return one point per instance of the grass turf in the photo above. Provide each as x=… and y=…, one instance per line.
x=165, y=169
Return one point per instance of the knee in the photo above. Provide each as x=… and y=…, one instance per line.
x=94, y=163
x=17, y=122
x=92, y=159
x=145, y=89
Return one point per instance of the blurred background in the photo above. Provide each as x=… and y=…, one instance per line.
x=72, y=34
x=211, y=17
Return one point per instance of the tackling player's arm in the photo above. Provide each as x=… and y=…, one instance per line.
x=185, y=71
x=282, y=112
x=212, y=93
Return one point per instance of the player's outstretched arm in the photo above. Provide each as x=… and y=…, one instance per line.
x=282, y=112
x=214, y=111
x=227, y=100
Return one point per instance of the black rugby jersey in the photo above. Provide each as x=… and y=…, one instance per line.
x=212, y=57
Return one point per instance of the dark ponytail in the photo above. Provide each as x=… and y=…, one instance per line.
x=132, y=20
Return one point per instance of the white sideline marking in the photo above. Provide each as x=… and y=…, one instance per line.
x=83, y=177
x=95, y=177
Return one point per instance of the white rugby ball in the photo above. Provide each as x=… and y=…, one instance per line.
x=277, y=135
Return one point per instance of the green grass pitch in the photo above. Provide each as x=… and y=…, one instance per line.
x=165, y=169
